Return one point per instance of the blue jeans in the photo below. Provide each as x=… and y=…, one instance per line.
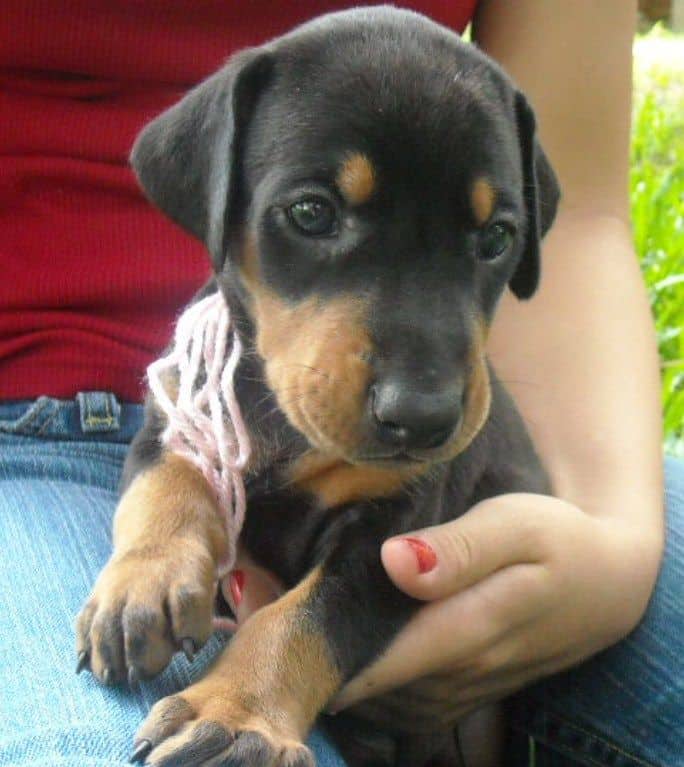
x=59, y=467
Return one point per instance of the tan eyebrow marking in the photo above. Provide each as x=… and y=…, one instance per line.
x=482, y=198
x=356, y=179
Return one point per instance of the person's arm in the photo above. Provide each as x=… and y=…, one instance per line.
x=527, y=585
x=580, y=359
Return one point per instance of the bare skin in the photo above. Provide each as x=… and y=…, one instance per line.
x=527, y=585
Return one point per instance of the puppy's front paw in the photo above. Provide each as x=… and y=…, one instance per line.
x=206, y=725
x=147, y=603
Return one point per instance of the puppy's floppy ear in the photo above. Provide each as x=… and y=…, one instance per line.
x=541, y=199
x=187, y=159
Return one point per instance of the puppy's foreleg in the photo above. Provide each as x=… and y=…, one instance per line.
x=156, y=593
x=257, y=703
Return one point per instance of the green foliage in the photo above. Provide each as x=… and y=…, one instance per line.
x=657, y=190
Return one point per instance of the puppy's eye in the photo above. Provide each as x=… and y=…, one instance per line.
x=495, y=240
x=313, y=216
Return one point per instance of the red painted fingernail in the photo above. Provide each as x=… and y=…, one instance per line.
x=425, y=554
x=237, y=583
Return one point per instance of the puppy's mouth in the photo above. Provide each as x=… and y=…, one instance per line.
x=399, y=458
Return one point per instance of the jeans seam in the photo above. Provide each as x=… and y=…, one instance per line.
x=38, y=409
x=30, y=417
x=96, y=455
x=84, y=449
x=46, y=424
x=589, y=734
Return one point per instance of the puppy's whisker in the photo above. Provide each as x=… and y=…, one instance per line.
x=253, y=379
x=263, y=400
x=278, y=408
x=307, y=367
x=292, y=400
x=273, y=393
x=279, y=393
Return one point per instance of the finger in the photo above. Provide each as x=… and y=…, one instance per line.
x=472, y=695
x=459, y=632
x=435, y=562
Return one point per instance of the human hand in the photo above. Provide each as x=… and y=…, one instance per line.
x=522, y=586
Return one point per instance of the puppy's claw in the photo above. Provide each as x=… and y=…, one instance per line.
x=141, y=751
x=107, y=677
x=188, y=647
x=83, y=661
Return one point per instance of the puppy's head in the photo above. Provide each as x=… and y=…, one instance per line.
x=372, y=184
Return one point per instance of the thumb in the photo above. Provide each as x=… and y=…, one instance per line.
x=436, y=562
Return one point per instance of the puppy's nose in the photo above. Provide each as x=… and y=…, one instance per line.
x=409, y=419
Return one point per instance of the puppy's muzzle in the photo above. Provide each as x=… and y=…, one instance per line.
x=405, y=418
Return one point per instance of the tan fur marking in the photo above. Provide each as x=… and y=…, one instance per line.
x=170, y=500
x=315, y=363
x=263, y=680
x=315, y=354
x=479, y=393
x=334, y=482
x=249, y=264
x=168, y=538
x=356, y=179
x=482, y=198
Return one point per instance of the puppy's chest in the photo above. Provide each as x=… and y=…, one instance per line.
x=292, y=525
x=280, y=532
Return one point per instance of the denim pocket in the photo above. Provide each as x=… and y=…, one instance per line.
x=27, y=417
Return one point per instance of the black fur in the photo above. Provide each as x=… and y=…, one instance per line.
x=433, y=114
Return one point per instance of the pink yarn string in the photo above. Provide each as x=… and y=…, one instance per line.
x=205, y=425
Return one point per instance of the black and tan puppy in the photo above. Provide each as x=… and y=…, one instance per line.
x=367, y=187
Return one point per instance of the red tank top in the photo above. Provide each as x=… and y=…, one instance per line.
x=92, y=276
